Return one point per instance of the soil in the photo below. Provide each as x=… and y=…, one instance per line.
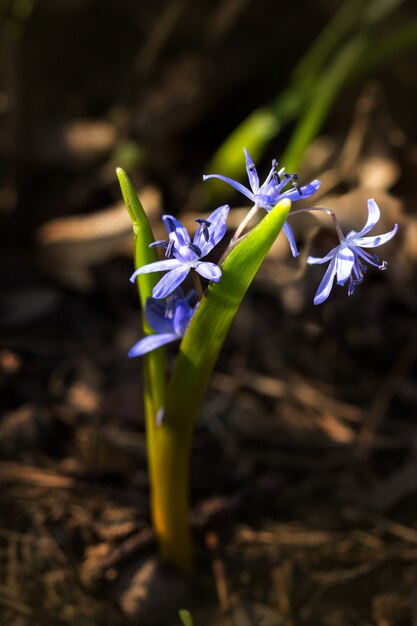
x=304, y=473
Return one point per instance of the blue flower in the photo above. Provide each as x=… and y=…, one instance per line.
x=347, y=260
x=182, y=254
x=169, y=320
x=271, y=191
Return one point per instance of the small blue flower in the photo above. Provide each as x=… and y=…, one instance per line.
x=347, y=259
x=183, y=254
x=169, y=320
x=271, y=191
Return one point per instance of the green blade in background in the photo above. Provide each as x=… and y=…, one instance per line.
x=256, y=131
x=322, y=98
x=316, y=71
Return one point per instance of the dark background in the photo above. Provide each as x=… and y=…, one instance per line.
x=304, y=476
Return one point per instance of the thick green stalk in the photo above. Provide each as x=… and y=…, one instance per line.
x=198, y=353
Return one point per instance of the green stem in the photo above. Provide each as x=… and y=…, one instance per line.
x=170, y=497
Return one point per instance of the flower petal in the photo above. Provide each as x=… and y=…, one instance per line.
x=151, y=342
x=305, y=192
x=182, y=316
x=373, y=218
x=326, y=284
x=377, y=240
x=156, y=316
x=158, y=266
x=252, y=173
x=291, y=239
x=209, y=270
x=246, y=192
x=175, y=226
x=170, y=281
x=217, y=230
x=345, y=259
x=313, y=260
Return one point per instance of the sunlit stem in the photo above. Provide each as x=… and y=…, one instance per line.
x=245, y=222
x=170, y=495
x=328, y=212
x=237, y=237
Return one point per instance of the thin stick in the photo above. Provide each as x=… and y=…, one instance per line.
x=237, y=236
x=324, y=210
x=245, y=222
x=197, y=284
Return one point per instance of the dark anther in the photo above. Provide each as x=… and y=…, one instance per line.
x=195, y=249
x=170, y=223
x=294, y=176
x=251, y=167
x=170, y=249
x=297, y=187
x=159, y=243
x=204, y=225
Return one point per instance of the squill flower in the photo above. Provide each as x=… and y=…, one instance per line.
x=183, y=255
x=348, y=259
x=169, y=321
x=273, y=189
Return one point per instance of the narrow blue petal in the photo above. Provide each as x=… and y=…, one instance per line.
x=373, y=218
x=252, y=173
x=306, y=191
x=291, y=239
x=368, y=258
x=377, y=240
x=158, y=320
x=209, y=270
x=326, y=284
x=246, y=192
x=179, y=235
x=174, y=225
x=151, y=342
x=182, y=317
x=217, y=230
x=158, y=266
x=313, y=260
x=170, y=282
x=345, y=259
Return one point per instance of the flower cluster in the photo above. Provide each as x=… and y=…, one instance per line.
x=169, y=312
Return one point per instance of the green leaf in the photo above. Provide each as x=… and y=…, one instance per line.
x=208, y=328
x=154, y=362
x=143, y=236
x=185, y=617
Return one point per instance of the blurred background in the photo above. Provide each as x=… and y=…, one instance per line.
x=304, y=480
